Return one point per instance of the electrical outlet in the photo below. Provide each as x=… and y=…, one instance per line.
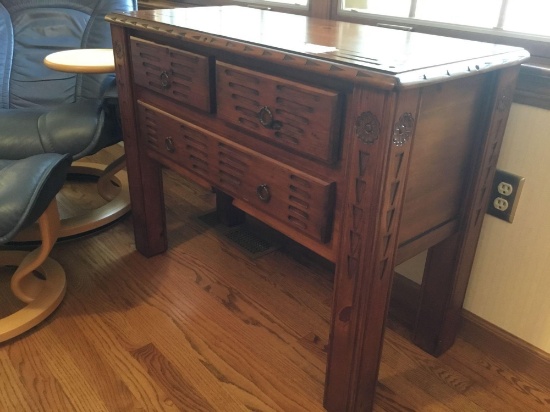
x=505, y=188
x=505, y=195
x=500, y=204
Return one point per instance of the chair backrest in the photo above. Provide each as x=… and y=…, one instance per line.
x=32, y=29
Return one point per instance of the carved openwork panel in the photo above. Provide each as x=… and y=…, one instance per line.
x=175, y=141
x=300, y=201
x=300, y=118
x=174, y=73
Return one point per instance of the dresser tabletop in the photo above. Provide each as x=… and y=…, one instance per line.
x=409, y=57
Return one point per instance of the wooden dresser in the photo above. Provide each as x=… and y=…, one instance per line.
x=366, y=145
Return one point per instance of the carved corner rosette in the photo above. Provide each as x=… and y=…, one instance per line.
x=367, y=127
x=403, y=129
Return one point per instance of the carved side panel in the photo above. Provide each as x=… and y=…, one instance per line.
x=449, y=263
x=382, y=139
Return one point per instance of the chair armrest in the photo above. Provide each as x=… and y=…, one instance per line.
x=108, y=88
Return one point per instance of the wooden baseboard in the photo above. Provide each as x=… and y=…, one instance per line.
x=518, y=354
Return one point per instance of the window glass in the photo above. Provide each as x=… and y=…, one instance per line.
x=299, y=3
x=480, y=13
x=398, y=8
x=528, y=16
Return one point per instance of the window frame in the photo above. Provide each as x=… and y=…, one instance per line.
x=533, y=86
x=538, y=46
x=534, y=80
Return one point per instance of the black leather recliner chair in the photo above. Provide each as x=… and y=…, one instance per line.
x=47, y=111
x=27, y=193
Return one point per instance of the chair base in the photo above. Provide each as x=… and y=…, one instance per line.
x=51, y=290
x=112, y=186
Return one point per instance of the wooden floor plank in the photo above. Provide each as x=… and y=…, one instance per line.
x=518, y=391
x=58, y=357
x=204, y=327
x=13, y=393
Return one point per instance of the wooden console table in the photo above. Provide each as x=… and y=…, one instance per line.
x=366, y=145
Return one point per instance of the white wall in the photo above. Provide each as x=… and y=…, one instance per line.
x=510, y=282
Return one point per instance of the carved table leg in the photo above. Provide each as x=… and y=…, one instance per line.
x=145, y=175
x=449, y=263
x=381, y=141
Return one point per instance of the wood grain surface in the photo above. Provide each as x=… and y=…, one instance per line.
x=203, y=327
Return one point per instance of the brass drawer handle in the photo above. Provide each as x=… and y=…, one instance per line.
x=169, y=144
x=165, y=82
x=265, y=116
x=263, y=193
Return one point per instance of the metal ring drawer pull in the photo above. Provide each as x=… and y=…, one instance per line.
x=266, y=117
x=263, y=193
x=165, y=82
x=267, y=120
x=169, y=144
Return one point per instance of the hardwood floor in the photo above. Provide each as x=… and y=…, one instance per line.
x=204, y=327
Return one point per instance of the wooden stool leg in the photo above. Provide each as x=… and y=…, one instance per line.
x=23, y=282
x=112, y=186
x=42, y=294
x=105, y=185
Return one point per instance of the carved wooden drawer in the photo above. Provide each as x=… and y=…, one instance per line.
x=298, y=117
x=180, y=75
x=297, y=199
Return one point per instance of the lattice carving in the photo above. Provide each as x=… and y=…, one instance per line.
x=233, y=166
x=299, y=200
x=195, y=151
x=180, y=75
x=298, y=117
x=151, y=129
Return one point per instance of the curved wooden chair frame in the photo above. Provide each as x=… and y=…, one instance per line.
x=43, y=293
x=112, y=185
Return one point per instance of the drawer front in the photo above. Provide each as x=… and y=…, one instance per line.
x=177, y=74
x=298, y=117
x=296, y=199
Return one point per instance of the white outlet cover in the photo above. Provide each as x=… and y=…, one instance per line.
x=505, y=188
x=500, y=204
